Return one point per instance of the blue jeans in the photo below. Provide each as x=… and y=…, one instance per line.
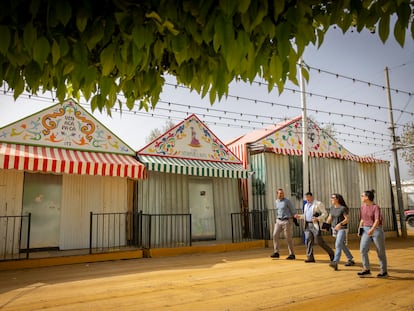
x=379, y=240
x=341, y=246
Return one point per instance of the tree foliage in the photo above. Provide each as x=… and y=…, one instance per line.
x=106, y=50
x=407, y=143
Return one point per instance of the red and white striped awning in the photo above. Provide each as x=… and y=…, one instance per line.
x=65, y=161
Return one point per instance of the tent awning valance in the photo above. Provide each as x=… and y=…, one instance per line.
x=193, y=167
x=57, y=160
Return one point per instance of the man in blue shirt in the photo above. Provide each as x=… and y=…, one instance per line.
x=285, y=213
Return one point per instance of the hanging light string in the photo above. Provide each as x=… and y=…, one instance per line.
x=227, y=116
x=248, y=126
x=405, y=107
x=233, y=122
x=341, y=100
x=368, y=83
x=271, y=103
x=355, y=128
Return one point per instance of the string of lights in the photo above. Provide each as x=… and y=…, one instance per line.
x=252, y=127
x=226, y=116
x=341, y=100
x=234, y=122
x=330, y=113
x=368, y=83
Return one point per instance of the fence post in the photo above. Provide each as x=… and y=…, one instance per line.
x=191, y=232
x=149, y=231
x=28, y=236
x=90, y=232
x=232, y=228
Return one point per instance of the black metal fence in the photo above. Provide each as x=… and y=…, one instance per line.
x=257, y=225
x=166, y=230
x=113, y=231
x=12, y=229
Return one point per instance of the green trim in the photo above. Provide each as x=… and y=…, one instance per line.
x=194, y=167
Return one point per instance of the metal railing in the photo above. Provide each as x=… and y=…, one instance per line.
x=166, y=230
x=113, y=231
x=12, y=229
x=254, y=225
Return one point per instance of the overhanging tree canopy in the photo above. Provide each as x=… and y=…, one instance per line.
x=104, y=49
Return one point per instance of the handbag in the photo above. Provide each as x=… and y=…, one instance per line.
x=326, y=226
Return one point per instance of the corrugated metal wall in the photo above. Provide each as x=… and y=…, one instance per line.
x=383, y=187
x=83, y=194
x=271, y=171
x=226, y=201
x=11, y=192
x=11, y=198
x=278, y=176
x=166, y=193
x=329, y=176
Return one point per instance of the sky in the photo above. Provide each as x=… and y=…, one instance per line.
x=345, y=89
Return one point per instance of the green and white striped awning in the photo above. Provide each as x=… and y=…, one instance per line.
x=193, y=167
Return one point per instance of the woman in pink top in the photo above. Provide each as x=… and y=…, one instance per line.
x=370, y=230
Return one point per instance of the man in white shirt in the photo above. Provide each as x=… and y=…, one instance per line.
x=314, y=213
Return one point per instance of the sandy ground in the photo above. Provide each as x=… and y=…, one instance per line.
x=243, y=280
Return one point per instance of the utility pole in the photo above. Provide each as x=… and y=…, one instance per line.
x=304, y=133
x=395, y=154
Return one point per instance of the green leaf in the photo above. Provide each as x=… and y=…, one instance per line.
x=34, y=7
x=276, y=67
x=384, y=28
x=283, y=43
x=95, y=34
x=55, y=53
x=158, y=50
x=41, y=51
x=154, y=15
x=130, y=102
x=399, y=33
x=5, y=39
x=63, y=46
x=180, y=48
x=279, y=7
x=228, y=6
x=107, y=59
x=33, y=73
x=82, y=19
x=63, y=11
x=142, y=36
x=80, y=53
x=90, y=82
x=105, y=85
x=224, y=34
x=29, y=36
x=170, y=26
x=404, y=13
x=243, y=6
x=95, y=103
x=305, y=73
x=61, y=91
x=18, y=87
x=68, y=68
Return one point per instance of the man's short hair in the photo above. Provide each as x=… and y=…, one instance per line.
x=309, y=193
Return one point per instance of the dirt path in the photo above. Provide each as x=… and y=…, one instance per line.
x=245, y=280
